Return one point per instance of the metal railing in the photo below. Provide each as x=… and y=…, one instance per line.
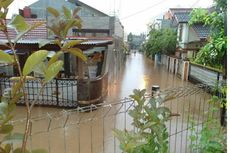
x=58, y=92
x=89, y=129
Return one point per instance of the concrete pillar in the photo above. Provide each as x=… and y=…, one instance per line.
x=176, y=66
x=185, y=71
x=155, y=89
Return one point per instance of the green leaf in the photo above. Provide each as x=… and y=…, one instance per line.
x=2, y=16
x=44, y=42
x=39, y=151
x=72, y=43
x=33, y=60
x=67, y=12
x=53, y=70
x=77, y=52
x=40, y=68
x=53, y=11
x=5, y=58
x=13, y=138
x=57, y=42
x=16, y=88
x=5, y=3
x=19, y=150
x=18, y=22
x=7, y=148
x=78, y=24
x=55, y=58
x=69, y=25
x=3, y=107
x=6, y=129
x=29, y=28
x=75, y=11
x=16, y=97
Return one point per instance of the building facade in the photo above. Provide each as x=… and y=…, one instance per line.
x=95, y=25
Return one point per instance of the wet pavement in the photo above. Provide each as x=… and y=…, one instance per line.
x=91, y=132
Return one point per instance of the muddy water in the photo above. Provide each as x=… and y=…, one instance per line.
x=91, y=132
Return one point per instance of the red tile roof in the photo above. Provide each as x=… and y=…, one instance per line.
x=38, y=33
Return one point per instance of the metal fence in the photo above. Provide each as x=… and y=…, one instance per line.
x=89, y=129
x=58, y=92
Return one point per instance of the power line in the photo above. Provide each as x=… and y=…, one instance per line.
x=143, y=10
x=196, y=2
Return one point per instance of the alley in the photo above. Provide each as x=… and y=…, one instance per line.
x=140, y=72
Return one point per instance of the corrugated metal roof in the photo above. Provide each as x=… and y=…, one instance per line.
x=202, y=31
x=86, y=42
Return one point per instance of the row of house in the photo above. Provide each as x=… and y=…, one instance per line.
x=190, y=38
x=104, y=34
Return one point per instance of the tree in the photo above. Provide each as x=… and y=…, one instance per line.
x=135, y=41
x=214, y=52
x=161, y=41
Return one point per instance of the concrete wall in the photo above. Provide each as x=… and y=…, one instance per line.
x=95, y=22
x=188, y=35
x=192, y=35
x=39, y=7
x=204, y=75
x=193, y=72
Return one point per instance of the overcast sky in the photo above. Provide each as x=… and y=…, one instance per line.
x=134, y=14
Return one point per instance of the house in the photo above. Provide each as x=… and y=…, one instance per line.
x=104, y=34
x=190, y=37
x=95, y=25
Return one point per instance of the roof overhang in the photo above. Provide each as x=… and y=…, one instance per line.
x=34, y=44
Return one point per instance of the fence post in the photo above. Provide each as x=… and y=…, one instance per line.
x=57, y=92
x=155, y=89
x=185, y=71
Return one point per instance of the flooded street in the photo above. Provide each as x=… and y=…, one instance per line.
x=74, y=131
x=139, y=72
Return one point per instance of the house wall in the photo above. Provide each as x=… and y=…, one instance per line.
x=39, y=7
x=95, y=22
x=192, y=35
x=184, y=36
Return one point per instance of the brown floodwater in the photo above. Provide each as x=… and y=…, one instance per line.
x=75, y=131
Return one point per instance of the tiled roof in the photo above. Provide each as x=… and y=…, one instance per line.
x=182, y=17
x=202, y=31
x=38, y=33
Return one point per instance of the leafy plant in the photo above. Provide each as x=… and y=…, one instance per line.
x=35, y=62
x=212, y=137
x=149, y=119
x=214, y=52
x=161, y=41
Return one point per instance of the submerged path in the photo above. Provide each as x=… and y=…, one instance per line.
x=140, y=72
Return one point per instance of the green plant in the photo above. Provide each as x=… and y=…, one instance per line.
x=35, y=62
x=214, y=52
x=212, y=137
x=161, y=41
x=151, y=135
